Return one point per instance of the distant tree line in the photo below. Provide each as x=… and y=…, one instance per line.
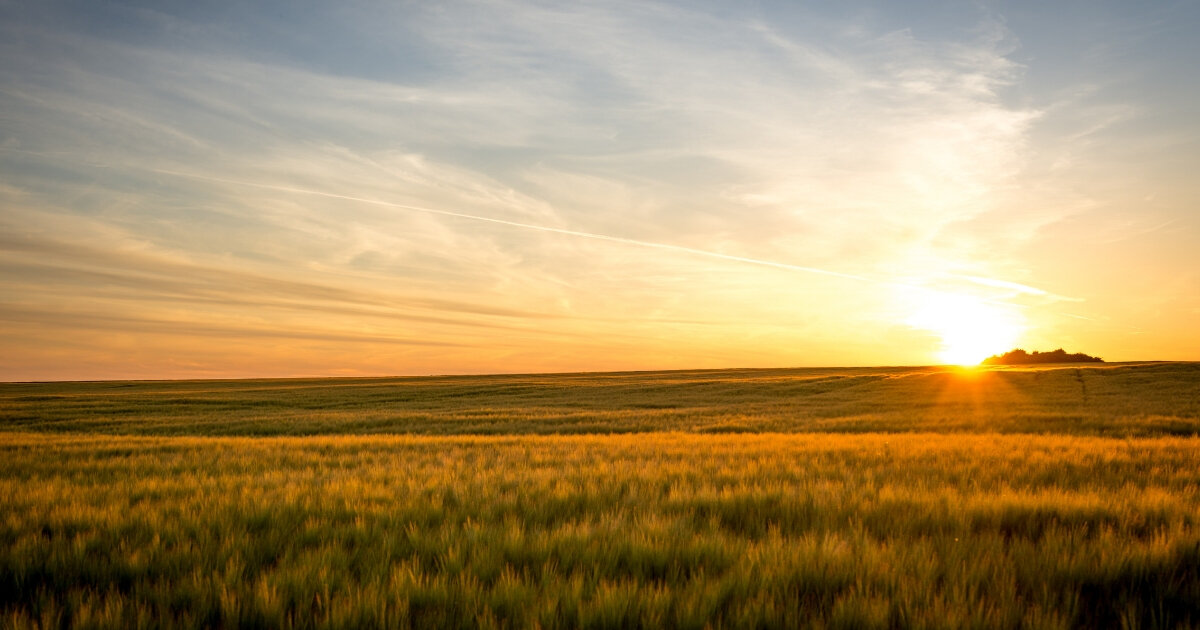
x=1020, y=357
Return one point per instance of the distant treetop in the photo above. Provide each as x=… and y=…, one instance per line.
x=1020, y=357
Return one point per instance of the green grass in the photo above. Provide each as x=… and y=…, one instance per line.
x=971, y=504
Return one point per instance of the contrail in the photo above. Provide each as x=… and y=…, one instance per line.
x=990, y=282
x=1000, y=284
x=532, y=226
x=1020, y=288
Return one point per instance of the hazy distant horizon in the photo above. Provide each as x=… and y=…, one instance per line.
x=801, y=368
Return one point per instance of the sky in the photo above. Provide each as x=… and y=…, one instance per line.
x=271, y=189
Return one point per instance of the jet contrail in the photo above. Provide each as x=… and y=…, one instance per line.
x=991, y=282
x=627, y=241
x=1000, y=284
x=532, y=226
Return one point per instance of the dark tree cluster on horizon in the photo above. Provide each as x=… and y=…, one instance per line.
x=1020, y=357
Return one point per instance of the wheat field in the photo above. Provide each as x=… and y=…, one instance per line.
x=734, y=499
x=1119, y=400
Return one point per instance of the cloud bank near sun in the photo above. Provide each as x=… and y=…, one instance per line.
x=511, y=186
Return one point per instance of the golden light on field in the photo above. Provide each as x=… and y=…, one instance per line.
x=971, y=329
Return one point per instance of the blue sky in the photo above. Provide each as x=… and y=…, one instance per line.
x=242, y=189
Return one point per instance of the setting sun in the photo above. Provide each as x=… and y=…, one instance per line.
x=411, y=192
x=970, y=328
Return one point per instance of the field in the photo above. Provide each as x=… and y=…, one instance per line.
x=888, y=497
x=1120, y=400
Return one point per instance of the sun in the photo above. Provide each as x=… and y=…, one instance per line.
x=971, y=329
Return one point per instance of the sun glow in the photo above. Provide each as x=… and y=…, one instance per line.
x=970, y=328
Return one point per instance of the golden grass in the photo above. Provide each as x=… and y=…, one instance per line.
x=870, y=497
x=600, y=531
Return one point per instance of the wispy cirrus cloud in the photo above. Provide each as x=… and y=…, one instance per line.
x=642, y=163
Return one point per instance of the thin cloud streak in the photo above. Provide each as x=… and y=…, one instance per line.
x=527, y=226
x=75, y=264
x=991, y=282
x=50, y=319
